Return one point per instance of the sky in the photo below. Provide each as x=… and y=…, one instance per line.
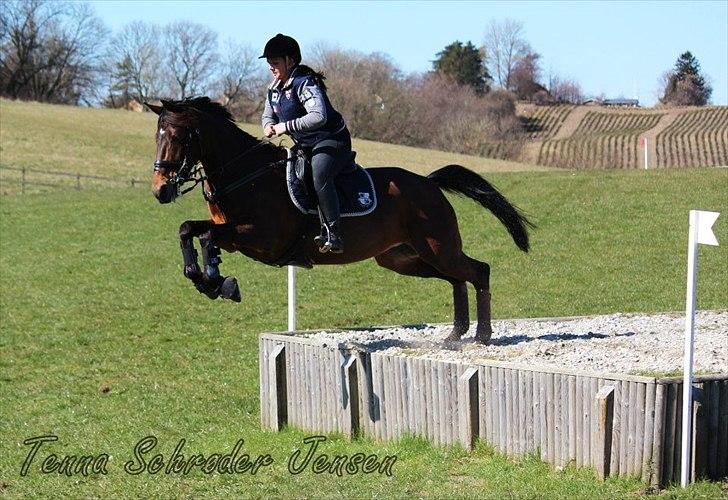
x=619, y=49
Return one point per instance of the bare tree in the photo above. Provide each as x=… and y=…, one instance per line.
x=191, y=57
x=134, y=62
x=525, y=76
x=242, y=80
x=505, y=46
x=50, y=51
x=565, y=90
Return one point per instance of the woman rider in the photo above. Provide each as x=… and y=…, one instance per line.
x=297, y=105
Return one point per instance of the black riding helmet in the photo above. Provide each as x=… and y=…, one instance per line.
x=281, y=46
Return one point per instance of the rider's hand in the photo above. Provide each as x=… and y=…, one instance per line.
x=279, y=128
x=269, y=131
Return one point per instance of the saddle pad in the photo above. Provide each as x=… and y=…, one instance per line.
x=354, y=187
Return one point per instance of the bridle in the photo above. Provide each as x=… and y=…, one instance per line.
x=187, y=172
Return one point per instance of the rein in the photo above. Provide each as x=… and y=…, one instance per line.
x=194, y=173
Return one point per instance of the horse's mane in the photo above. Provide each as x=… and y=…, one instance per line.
x=187, y=112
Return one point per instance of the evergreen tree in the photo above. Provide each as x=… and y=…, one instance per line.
x=463, y=63
x=685, y=85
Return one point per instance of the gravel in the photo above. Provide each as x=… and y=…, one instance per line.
x=614, y=343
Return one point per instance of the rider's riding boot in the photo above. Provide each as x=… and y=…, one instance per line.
x=330, y=238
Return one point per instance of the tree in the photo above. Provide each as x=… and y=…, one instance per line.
x=242, y=80
x=191, y=57
x=505, y=46
x=49, y=51
x=525, y=75
x=565, y=90
x=134, y=61
x=463, y=63
x=685, y=85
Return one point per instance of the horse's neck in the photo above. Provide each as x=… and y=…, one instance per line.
x=228, y=146
x=234, y=154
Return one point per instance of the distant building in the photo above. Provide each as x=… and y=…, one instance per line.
x=620, y=102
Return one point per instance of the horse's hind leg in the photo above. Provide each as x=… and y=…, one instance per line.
x=441, y=248
x=404, y=260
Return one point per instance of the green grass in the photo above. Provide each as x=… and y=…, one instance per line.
x=104, y=342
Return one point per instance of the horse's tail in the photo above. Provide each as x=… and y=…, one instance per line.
x=458, y=179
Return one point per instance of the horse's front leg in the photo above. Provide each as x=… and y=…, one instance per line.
x=209, y=281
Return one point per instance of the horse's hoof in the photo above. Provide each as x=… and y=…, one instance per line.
x=483, y=337
x=211, y=292
x=230, y=290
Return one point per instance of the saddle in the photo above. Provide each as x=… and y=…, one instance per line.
x=354, y=187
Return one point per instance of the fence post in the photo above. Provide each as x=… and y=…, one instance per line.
x=277, y=388
x=133, y=181
x=604, y=405
x=78, y=181
x=22, y=182
x=469, y=407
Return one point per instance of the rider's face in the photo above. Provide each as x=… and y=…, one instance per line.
x=280, y=67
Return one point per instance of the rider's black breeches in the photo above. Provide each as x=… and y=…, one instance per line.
x=329, y=157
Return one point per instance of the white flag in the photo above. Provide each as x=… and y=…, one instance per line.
x=705, y=221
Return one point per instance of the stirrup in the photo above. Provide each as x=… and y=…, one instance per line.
x=331, y=242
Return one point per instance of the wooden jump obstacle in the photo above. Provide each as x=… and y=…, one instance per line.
x=621, y=425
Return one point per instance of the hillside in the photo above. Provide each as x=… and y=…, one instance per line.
x=597, y=137
x=120, y=144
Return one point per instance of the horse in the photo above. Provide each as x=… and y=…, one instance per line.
x=413, y=230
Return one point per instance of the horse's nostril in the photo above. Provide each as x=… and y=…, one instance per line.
x=164, y=194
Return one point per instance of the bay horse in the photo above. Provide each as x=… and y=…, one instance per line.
x=413, y=231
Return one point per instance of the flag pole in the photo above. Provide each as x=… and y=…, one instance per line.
x=687, y=414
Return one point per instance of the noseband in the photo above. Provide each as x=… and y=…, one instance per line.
x=185, y=170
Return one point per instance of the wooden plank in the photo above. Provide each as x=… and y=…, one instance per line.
x=713, y=430
x=558, y=426
x=468, y=385
x=669, y=443
x=617, y=433
x=571, y=383
x=522, y=413
x=564, y=419
x=658, y=433
x=313, y=362
x=419, y=384
x=677, y=461
x=629, y=456
x=530, y=402
x=700, y=431
x=447, y=402
x=604, y=409
x=543, y=416
x=386, y=397
x=579, y=419
x=550, y=419
x=485, y=426
x=406, y=394
x=263, y=382
x=624, y=430
x=436, y=402
x=410, y=403
x=509, y=419
x=429, y=413
x=648, y=432
x=722, y=463
x=502, y=403
x=277, y=387
x=352, y=389
x=395, y=386
x=639, y=428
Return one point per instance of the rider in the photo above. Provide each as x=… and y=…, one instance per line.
x=297, y=105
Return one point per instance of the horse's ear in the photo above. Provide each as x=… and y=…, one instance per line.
x=170, y=106
x=156, y=109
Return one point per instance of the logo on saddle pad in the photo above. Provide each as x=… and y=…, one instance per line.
x=364, y=199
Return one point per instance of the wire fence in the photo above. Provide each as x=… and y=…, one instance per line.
x=23, y=180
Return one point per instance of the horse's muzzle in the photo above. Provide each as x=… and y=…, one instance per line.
x=166, y=193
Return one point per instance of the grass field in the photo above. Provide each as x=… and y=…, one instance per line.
x=104, y=342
